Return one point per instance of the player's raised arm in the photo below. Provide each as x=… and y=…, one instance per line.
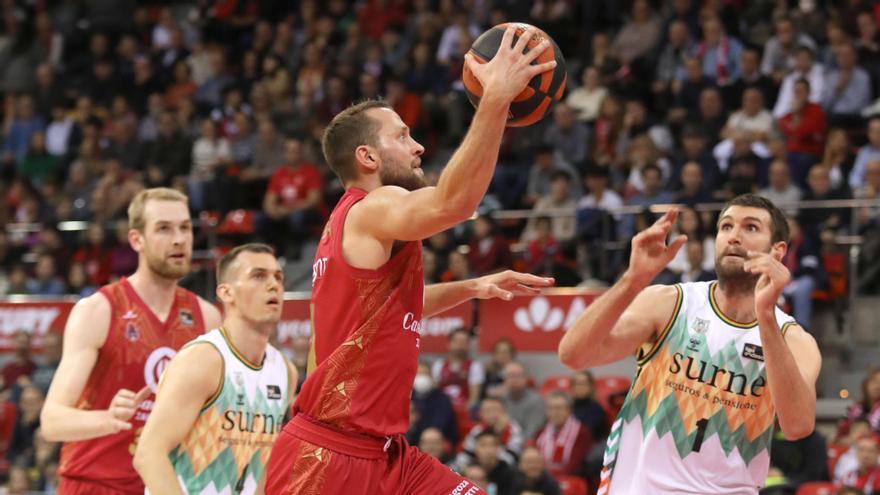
x=192, y=378
x=626, y=316
x=84, y=334
x=416, y=215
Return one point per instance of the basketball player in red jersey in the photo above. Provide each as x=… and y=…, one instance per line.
x=368, y=293
x=116, y=345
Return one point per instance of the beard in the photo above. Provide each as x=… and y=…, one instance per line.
x=163, y=267
x=732, y=276
x=394, y=173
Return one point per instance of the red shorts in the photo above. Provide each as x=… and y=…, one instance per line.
x=311, y=458
x=72, y=486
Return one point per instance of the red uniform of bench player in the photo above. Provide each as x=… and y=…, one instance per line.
x=368, y=293
x=116, y=345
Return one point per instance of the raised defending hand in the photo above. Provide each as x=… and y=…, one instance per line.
x=506, y=284
x=510, y=70
x=773, y=277
x=122, y=408
x=650, y=253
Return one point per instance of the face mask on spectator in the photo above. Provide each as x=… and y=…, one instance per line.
x=422, y=384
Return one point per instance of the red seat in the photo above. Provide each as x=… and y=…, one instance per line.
x=554, y=383
x=835, y=450
x=610, y=393
x=817, y=488
x=835, y=268
x=572, y=485
x=237, y=222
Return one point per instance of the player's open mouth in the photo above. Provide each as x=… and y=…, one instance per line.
x=273, y=302
x=177, y=257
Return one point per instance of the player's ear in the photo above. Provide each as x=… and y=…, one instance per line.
x=366, y=157
x=224, y=293
x=778, y=250
x=135, y=240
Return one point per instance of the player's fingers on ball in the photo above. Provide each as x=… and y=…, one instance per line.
x=507, y=37
x=536, y=51
x=534, y=70
x=523, y=41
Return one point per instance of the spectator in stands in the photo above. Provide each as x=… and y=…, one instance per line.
x=816, y=221
x=489, y=251
x=671, y=64
x=805, y=67
x=867, y=406
x=457, y=266
x=695, y=257
x=46, y=281
x=564, y=442
x=638, y=37
x=478, y=476
x=487, y=451
x=42, y=374
x=868, y=153
x=542, y=250
x=532, y=475
x=710, y=113
x=839, y=157
x=587, y=99
x=38, y=165
x=432, y=443
x=20, y=123
x=435, y=408
x=493, y=417
x=21, y=364
x=563, y=205
x=18, y=281
x=869, y=215
x=802, y=460
x=804, y=262
x=848, y=461
x=585, y=407
x=804, y=126
x=866, y=476
x=210, y=154
x=503, y=352
x=719, y=53
x=293, y=203
x=523, y=404
x=27, y=422
x=781, y=49
x=95, y=255
x=607, y=131
x=168, y=156
x=692, y=224
x=847, y=89
x=751, y=77
x=459, y=376
x=542, y=171
x=568, y=137
x=780, y=190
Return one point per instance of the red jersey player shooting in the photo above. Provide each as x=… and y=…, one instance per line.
x=368, y=293
x=116, y=345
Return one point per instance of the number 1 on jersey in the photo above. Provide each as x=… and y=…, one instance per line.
x=701, y=431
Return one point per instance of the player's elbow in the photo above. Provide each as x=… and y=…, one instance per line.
x=49, y=424
x=570, y=357
x=796, y=430
x=140, y=462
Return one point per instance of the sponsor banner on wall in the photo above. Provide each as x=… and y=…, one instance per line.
x=295, y=322
x=34, y=317
x=532, y=323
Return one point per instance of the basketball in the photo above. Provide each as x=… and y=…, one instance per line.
x=533, y=103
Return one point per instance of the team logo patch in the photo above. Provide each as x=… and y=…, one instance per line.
x=132, y=333
x=155, y=366
x=129, y=315
x=273, y=392
x=694, y=344
x=186, y=317
x=753, y=351
x=240, y=400
x=700, y=325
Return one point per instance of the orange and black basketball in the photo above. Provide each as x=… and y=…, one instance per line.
x=534, y=102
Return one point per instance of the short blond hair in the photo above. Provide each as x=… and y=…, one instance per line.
x=136, y=219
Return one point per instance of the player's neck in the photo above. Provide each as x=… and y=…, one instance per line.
x=736, y=303
x=155, y=291
x=365, y=183
x=248, y=338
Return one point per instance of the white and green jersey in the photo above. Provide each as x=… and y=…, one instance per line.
x=228, y=447
x=698, y=418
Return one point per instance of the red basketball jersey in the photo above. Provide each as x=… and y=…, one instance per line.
x=137, y=350
x=365, y=331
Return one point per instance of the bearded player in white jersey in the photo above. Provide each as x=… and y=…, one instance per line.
x=718, y=362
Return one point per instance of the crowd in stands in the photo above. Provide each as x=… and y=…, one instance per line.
x=682, y=101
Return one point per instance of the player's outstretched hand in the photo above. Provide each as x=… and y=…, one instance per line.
x=773, y=277
x=650, y=253
x=506, y=284
x=510, y=70
x=122, y=408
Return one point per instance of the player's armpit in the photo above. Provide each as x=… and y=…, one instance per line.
x=192, y=378
x=391, y=213
x=84, y=335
